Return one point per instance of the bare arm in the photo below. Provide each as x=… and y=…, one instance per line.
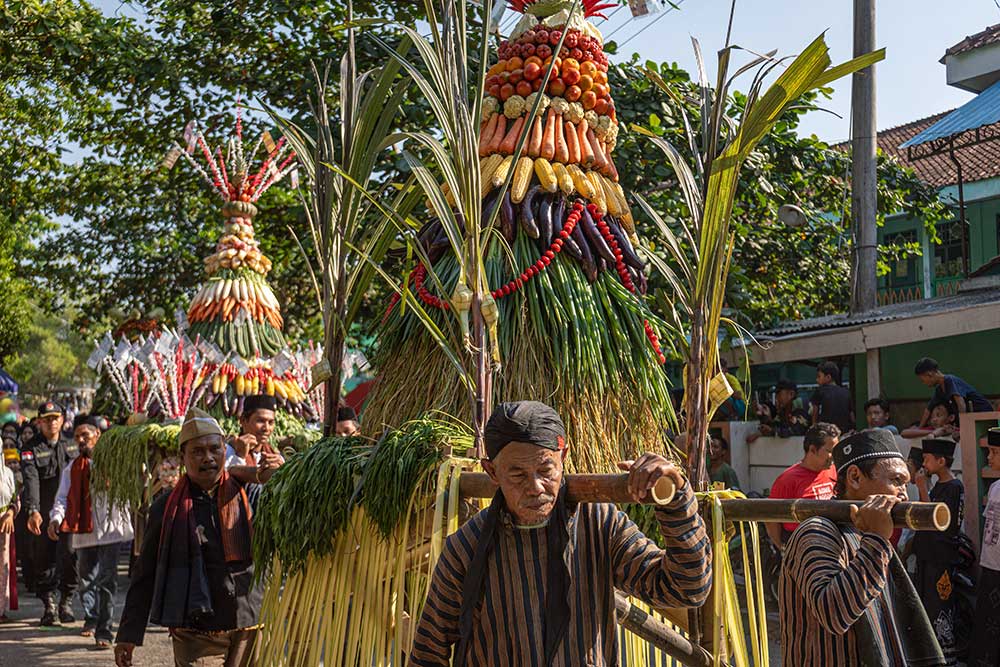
x=923, y=420
x=251, y=474
x=960, y=403
x=774, y=532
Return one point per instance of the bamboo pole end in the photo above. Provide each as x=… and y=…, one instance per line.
x=942, y=517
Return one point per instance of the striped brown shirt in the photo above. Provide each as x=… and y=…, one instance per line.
x=606, y=551
x=830, y=577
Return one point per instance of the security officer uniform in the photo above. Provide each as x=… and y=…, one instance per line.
x=54, y=563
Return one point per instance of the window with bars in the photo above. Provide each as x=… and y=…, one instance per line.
x=947, y=261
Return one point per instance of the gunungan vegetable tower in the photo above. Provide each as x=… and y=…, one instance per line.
x=573, y=326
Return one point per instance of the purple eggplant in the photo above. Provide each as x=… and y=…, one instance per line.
x=593, y=234
x=545, y=222
x=587, y=259
x=508, y=223
x=526, y=216
x=558, y=216
x=628, y=252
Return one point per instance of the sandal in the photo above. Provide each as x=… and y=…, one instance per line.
x=103, y=644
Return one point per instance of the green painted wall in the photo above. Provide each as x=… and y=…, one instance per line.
x=969, y=356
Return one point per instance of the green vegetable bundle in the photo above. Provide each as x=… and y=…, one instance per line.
x=124, y=458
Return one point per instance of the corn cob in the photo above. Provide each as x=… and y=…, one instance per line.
x=582, y=183
x=565, y=180
x=546, y=175
x=522, y=178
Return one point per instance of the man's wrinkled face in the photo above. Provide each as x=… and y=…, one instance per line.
x=529, y=477
x=889, y=477
x=50, y=426
x=86, y=437
x=259, y=423
x=203, y=458
x=876, y=416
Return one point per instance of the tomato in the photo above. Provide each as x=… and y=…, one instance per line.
x=600, y=77
x=601, y=107
x=601, y=90
x=571, y=63
x=532, y=59
x=494, y=90
x=557, y=87
x=514, y=63
x=516, y=76
x=573, y=93
x=536, y=85
x=532, y=71
x=585, y=83
x=524, y=88
x=570, y=76
x=506, y=90
x=589, y=99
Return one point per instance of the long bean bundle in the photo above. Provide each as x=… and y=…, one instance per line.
x=124, y=457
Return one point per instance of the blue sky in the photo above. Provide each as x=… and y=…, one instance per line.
x=910, y=82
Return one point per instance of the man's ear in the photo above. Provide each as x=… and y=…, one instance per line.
x=854, y=477
x=563, y=453
x=490, y=469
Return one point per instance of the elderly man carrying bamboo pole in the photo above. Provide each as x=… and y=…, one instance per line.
x=845, y=598
x=195, y=572
x=532, y=579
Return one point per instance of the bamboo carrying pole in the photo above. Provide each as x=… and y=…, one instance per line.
x=581, y=488
x=659, y=634
x=614, y=489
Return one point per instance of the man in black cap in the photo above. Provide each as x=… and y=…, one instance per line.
x=533, y=578
x=252, y=447
x=347, y=422
x=42, y=463
x=844, y=597
x=938, y=554
x=786, y=420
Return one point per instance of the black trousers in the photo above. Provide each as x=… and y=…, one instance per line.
x=985, y=645
x=55, y=565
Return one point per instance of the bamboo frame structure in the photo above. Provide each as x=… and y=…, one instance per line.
x=660, y=635
x=614, y=489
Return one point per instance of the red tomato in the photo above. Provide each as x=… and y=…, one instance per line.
x=570, y=76
x=532, y=71
x=506, y=90
x=586, y=83
x=573, y=93
x=516, y=76
x=588, y=100
x=494, y=90
x=524, y=88
x=601, y=107
x=557, y=87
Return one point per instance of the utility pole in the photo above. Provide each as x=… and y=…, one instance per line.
x=863, y=177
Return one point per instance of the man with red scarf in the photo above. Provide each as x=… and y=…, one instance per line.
x=96, y=533
x=195, y=572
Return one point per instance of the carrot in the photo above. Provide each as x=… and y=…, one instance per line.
x=599, y=160
x=562, y=150
x=549, y=140
x=486, y=133
x=498, y=134
x=611, y=165
x=535, y=143
x=586, y=150
x=509, y=142
x=572, y=145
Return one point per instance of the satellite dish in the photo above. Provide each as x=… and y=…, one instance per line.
x=791, y=215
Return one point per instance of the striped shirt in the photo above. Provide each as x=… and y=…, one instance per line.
x=830, y=578
x=605, y=551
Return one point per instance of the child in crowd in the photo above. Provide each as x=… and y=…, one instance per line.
x=877, y=415
x=831, y=403
x=9, y=505
x=949, y=387
x=938, y=553
x=943, y=423
x=986, y=640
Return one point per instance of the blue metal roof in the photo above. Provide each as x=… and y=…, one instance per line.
x=983, y=109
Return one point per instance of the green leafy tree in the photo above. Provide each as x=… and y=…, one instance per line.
x=54, y=355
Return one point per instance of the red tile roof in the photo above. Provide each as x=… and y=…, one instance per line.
x=988, y=36
x=979, y=162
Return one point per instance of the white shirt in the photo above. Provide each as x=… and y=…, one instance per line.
x=109, y=527
x=990, y=555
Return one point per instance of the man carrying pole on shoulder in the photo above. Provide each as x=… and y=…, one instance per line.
x=845, y=598
x=532, y=579
x=195, y=572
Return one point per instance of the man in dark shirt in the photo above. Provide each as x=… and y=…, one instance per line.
x=831, y=403
x=202, y=591
x=949, y=387
x=42, y=463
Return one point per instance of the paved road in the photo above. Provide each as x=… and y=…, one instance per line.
x=23, y=643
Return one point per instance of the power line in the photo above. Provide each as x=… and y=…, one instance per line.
x=652, y=23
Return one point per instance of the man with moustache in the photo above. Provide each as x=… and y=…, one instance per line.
x=532, y=579
x=195, y=572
